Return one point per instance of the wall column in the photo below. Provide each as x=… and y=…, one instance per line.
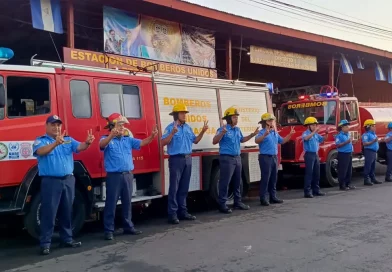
x=70, y=24
x=229, y=65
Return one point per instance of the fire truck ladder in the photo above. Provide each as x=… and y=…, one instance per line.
x=163, y=78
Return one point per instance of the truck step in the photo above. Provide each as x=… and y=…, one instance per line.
x=101, y=204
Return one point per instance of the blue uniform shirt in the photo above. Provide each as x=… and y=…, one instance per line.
x=312, y=145
x=230, y=144
x=389, y=144
x=59, y=162
x=117, y=154
x=368, y=137
x=341, y=138
x=269, y=146
x=182, y=141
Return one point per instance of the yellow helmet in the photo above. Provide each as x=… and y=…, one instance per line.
x=179, y=108
x=369, y=122
x=267, y=116
x=230, y=112
x=310, y=121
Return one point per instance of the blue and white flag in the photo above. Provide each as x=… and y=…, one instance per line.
x=380, y=76
x=390, y=74
x=46, y=15
x=360, y=64
x=346, y=65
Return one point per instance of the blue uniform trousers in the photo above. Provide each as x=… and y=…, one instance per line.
x=312, y=173
x=389, y=162
x=118, y=185
x=344, y=169
x=57, y=196
x=370, y=164
x=180, y=169
x=269, y=175
x=230, y=167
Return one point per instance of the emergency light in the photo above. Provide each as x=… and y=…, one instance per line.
x=5, y=54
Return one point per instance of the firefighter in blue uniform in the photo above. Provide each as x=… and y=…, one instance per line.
x=388, y=141
x=118, y=160
x=370, y=145
x=344, y=146
x=312, y=141
x=268, y=140
x=54, y=152
x=230, y=138
x=179, y=138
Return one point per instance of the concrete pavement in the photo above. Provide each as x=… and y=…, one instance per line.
x=344, y=231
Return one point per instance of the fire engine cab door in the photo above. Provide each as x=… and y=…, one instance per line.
x=349, y=111
x=129, y=99
x=80, y=116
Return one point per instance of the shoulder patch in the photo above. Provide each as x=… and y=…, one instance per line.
x=165, y=132
x=37, y=142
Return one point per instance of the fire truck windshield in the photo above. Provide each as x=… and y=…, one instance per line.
x=296, y=113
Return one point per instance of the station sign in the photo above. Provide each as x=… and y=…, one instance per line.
x=278, y=58
x=111, y=61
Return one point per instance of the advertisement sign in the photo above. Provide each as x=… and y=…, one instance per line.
x=90, y=58
x=146, y=37
x=278, y=58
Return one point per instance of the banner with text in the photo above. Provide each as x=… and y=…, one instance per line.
x=141, y=36
x=278, y=58
x=89, y=58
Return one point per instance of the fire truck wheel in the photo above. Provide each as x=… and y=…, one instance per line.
x=32, y=219
x=331, y=169
x=214, y=187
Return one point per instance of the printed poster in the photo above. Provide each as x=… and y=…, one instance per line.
x=198, y=47
x=146, y=37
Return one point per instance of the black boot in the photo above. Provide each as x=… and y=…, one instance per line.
x=264, y=202
x=241, y=206
x=375, y=181
x=275, y=200
x=367, y=182
x=225, y=210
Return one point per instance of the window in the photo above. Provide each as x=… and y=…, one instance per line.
x=295, y=114
x=124, y=99
x=81, y=99
x=2, y=109
x=27, y=96
x=349, y=111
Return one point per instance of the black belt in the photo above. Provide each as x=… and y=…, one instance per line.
x=180, y=156
x=119, y=173
x=233, y=156
x=310, y=152
x=268, y=155
x=55, y=177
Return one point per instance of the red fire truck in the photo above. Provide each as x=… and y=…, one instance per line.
x=83, y=97
x=329, y=107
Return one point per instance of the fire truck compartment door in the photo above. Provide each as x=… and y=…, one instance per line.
x=250, y=105
x=202, y=105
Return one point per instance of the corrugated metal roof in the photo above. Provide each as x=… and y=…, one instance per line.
x=285, y=31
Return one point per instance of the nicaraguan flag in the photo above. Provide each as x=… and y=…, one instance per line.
x=380, y=76
x=346, y=65
x=360, y=64
x=390, y=74
x=46, y=15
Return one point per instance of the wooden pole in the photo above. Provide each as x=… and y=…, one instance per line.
x=229, y=65
x=70, y=24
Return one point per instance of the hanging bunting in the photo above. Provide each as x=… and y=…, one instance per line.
x=346, y=65
x=390, y=74
x=380, y=76
x=360, y=64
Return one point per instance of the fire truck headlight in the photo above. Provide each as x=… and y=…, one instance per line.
x=5, y=54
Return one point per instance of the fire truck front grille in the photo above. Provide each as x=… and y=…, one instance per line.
x=288, y=150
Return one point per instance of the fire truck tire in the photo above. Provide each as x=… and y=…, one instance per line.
x=32, y=222
x=214, y=187
x=331, y=170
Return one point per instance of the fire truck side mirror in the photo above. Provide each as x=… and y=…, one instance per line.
x=2, y=96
